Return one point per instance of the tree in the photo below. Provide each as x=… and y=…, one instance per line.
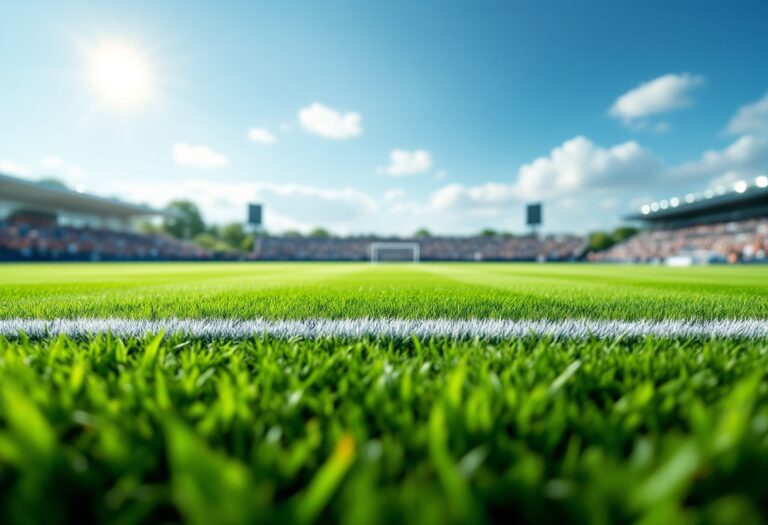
x=210, y=243
x=487, y=232
x=599, y=241
x=247, y=244
x=422, y=233
x=184, y=220
x=232, y=234
x=623, y=233
x=603, y=240
x=292, y=234
x=150, y=227
x=320, y=233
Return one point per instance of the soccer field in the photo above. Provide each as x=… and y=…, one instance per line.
x=326, y=421
x=352, y=291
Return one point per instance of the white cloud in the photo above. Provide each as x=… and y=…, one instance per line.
x=329, y=123
x=487, y=198
x=583, y=185
x=404, y=162
x=457, y=209
x=50, y=166
x=198, y=156
x=578, y=181
x=746, y=156
x=8, y=167
x=579, y=164
x=56, y=166
x=261, y=136
x=573, y=175
x=286, y=206
x=751, y=118
x=660, y=95
x=726, y=179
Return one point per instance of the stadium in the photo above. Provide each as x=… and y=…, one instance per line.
x=324, y=265
x=719, y=225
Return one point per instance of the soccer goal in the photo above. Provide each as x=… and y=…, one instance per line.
x=394, y=252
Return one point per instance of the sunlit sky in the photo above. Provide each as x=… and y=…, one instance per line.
x=387, y=116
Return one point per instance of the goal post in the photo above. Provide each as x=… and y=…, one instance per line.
x=412, y=250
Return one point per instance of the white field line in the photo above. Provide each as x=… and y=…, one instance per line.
x=396, y=328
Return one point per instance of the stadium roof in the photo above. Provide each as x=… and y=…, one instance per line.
x=37, y=194
x=719, y=202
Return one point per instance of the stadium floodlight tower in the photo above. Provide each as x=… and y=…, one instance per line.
x=254, y=225
x=400, y=246
x=533, y=217
x=254, y=217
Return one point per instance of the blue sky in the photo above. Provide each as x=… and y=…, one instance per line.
x=389, y=116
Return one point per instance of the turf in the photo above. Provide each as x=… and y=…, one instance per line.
x=253, y=429
x=373, y=431
x=340, y=291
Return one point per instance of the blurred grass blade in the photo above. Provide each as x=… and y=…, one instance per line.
x=566, y=374
x=207, y=486
x=459, y=496
x=326, y=481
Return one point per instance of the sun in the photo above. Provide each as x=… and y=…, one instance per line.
x=120, y=74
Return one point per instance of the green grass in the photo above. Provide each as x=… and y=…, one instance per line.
x=380, y=431
x=458, y=291
x=530, y=430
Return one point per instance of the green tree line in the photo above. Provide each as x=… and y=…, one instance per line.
x=600, y=240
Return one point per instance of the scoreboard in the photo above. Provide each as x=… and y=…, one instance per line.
x=533, y=214
x=254, y=214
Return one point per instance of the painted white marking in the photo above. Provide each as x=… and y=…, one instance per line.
x=397, y=328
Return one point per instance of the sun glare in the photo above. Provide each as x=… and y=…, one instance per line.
x=120, y=74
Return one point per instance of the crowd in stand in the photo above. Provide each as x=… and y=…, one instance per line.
x=497, y=248
x=24, y=242
x=742, y=241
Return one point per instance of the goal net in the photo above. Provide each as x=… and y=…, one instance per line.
x=394, y=252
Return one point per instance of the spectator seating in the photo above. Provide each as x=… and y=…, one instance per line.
x=741, y=241
x=500, y=248
x=24, y=242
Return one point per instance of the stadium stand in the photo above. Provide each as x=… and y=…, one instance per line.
x=42, y=202
x=44, y=221
x=741, y=241
x=550, y=248
x=719, y=225
x=26, y=242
